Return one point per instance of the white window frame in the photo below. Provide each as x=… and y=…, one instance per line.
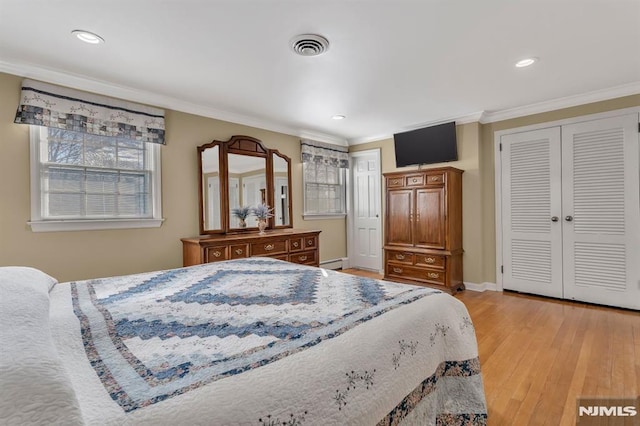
x=40, y=224
x=325, y=215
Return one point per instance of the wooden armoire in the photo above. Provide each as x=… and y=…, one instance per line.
x=423, y=228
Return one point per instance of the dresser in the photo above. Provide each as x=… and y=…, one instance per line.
x=423, y=228
x=293, y=245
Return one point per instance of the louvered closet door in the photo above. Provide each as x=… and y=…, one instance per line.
x=601, y=211
x=531, y=212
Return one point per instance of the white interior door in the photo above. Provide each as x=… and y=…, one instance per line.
x=531, y=212
x=601, y=211
x=366, y=238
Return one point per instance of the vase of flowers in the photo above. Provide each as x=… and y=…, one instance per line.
x=241, y=213
x=262, y=212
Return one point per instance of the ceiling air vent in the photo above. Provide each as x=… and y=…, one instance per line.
x=309, y=45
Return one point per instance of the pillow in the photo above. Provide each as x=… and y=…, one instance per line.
x=34, y=386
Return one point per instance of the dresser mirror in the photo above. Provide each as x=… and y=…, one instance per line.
x=237, y=173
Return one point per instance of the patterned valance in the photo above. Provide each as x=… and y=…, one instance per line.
x=324, y=153
x=49, y=105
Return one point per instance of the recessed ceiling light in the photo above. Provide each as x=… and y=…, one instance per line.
x=338, y=117
x=526, y=62
x=88, y=37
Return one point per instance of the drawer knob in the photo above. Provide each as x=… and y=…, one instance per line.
x=238, y=251
x=429, y=260
x=400, y=256
x=435, y=178
x=269, y=247
x=415, y=180
x=295, y=244
x=310, y=242
x=397, y=270
x=396, y=181
x=217, y=253
x=302, y=258
x=433, y=275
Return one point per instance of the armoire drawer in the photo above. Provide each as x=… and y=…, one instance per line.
x=415, y=180
x=400, y=257
x=414, y=273
x=268, y=248
x=310, y=242
x=435, y=178
x=395, y=182
x=431, y=260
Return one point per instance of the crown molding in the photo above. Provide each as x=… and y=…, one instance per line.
x=560, y=103
x=464, y=119
x=102, y=87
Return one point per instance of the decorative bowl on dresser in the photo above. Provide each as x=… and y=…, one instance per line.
x=423, y=228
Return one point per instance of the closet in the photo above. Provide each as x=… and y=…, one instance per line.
x=570, y=211
x=423, y=228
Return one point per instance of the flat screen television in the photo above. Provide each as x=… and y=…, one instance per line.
x=434, y=144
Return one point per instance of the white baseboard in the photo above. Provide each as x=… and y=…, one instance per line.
x=485, y=286
x=342, y=263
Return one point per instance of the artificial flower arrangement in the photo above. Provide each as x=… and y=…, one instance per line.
x=262, y=212
x=242, y=213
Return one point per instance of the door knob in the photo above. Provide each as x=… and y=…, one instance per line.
x=554, y=218
x=568, y=218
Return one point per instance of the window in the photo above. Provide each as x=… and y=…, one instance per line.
x=324, y=174
x=85, y=181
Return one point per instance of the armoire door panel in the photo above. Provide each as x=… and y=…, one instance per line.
x=531, y=210
x=399, y=217
x=600, y=194
x=429, y=224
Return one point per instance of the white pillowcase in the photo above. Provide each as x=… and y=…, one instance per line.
x=34, y=386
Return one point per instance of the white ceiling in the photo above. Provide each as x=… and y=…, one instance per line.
x=393, y=65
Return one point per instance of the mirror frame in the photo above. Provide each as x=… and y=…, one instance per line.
x=240, y=145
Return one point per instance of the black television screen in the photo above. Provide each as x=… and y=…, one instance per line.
x=434, y=144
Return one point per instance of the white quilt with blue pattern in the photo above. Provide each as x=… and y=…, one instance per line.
x=265, y=342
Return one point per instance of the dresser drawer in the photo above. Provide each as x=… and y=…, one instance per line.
x=269, y=247
x=400, y=257
x=305, y=257
x=239, y=251
x=415, y=273
x=431, y=260
x=296, y=244
x=215, y=253
x=415, y=180
x=310, y=242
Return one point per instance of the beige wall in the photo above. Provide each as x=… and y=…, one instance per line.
x=85, y=254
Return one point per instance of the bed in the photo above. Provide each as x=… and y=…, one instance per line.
x=254, y=341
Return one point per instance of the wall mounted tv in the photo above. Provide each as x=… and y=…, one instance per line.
x=434, y=144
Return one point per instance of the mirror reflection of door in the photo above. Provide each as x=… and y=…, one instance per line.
x=234, y=201
x=281, y=190
x=211, y=188
x=247, y=182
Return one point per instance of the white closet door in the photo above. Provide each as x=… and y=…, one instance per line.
x=601, y=217
x=532, y=224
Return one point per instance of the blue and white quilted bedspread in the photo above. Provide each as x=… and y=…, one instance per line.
x=180, y=334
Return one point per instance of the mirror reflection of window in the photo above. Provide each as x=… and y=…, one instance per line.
x=211, y=188
x=247, y=183
x=281, y=190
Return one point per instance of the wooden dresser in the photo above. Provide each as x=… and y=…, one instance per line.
x=293, y=245
x=423, y=228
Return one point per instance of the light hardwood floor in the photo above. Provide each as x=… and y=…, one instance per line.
x=538, y=355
